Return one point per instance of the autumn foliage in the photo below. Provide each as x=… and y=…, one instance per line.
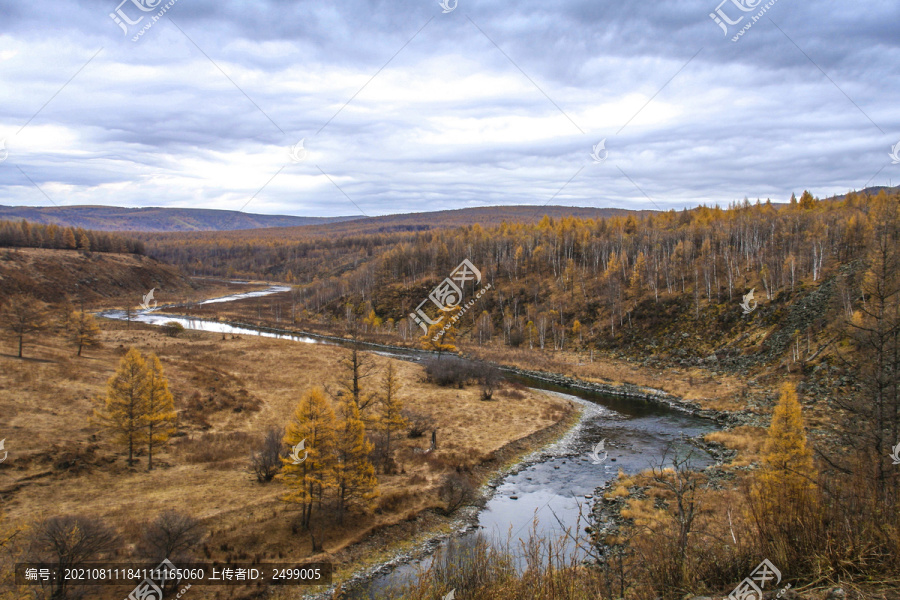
x=138, y=408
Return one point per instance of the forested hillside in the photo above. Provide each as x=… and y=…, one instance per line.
x=568, y=283
x=304, y=253
x=60, y=276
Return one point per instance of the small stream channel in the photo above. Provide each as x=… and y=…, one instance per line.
x=556, y=484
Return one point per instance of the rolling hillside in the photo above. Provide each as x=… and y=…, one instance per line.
x=181, y=220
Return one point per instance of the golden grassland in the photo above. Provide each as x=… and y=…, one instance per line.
x=228, y=391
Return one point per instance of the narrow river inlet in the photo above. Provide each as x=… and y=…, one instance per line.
x=555, y=487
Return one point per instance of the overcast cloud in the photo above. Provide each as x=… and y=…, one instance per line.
x=491, y=103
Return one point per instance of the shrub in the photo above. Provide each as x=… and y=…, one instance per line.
x=172, y=328
x=489, y=377
x=449, y=372
x=419, y=424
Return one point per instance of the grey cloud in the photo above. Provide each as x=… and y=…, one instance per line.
x=753, y=118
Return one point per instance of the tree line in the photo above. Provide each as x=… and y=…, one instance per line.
x=24, y=234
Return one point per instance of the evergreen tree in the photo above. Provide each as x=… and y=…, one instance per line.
x=391, y=419
x=786, y=458
x=440, y=338
x=84, y=331
x=783, y=489
x=160, y=408
x=807, y=200
x=354, y=475
x=126, y=402
x=69, y=239
x=22, y=315
x=314, y=424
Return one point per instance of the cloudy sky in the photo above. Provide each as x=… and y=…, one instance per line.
x=404, y=107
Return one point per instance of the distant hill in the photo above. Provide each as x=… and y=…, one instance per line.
x=174, y=220
x=871, y=191
x=155, y=219
x=486, y=216
x=180, y=220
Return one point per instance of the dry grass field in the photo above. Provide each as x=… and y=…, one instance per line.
x=696, y=384
x=227, y=392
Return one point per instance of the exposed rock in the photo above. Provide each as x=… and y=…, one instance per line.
x=836, y=593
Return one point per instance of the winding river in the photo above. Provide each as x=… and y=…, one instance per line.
x=556, y=485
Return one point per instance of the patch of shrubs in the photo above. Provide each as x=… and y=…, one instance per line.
x=449, y=372
x=419, y=424
x=172, y=328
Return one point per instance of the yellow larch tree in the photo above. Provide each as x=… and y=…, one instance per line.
x=391, y=419
x=160, y=412
x=126, y=401
x=84, y=331
x=786, y=458
x=441, y=336
x=354, y=475
x=782, y=493
x=313, y=423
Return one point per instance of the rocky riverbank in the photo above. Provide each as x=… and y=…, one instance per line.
x=626, y=390
x=429, y=530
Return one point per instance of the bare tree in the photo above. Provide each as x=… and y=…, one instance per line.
x=356, y=367
x=67, y=542
x=265, y=462
x=871, y=421
x=22, y=315
x=173, y=535
x=683, y=482
x=456, y=491
x=489, y=377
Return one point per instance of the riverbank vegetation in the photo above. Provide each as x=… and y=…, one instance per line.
x=229, y=393
x=676, y=531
